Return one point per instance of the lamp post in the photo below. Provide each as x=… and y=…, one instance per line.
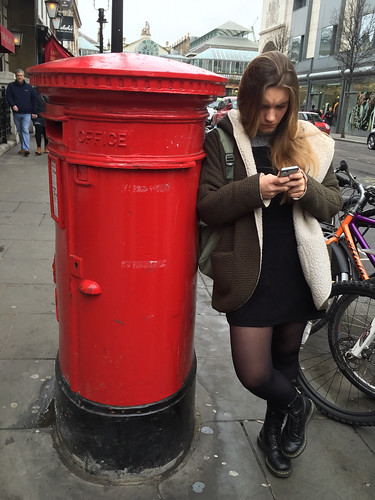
x=117, y=26
x=101, y=21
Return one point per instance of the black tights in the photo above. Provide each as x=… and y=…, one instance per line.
x=266, y=360
x=39, y=132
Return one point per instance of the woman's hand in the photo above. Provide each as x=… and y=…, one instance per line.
x=297, y=185
x=294, y=185
x=271, y=185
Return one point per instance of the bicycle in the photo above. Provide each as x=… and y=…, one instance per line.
x=337, y=363
x=348, y=235
x=344, y=239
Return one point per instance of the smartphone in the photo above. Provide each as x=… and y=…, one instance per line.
x=285, y=171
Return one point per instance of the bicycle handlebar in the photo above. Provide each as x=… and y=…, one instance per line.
x=366, y=194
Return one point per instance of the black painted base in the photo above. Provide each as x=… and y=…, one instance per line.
x=122, y=442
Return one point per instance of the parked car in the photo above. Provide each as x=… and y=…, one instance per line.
x=316, y=119
x=371, y=139
x=211, y=109
x=224, y=106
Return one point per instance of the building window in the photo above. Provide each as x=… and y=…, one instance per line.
x=327, y=41
x=297, y=47
x=297, y=4
x=367, y=31
x=147, y=46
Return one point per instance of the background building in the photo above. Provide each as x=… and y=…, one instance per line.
x=36, y=37
x=146, y=45
x=226, y=50
x=314, y=36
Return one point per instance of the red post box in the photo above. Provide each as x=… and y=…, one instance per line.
x=126, y=134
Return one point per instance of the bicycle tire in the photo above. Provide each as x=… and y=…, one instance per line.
x=321, y=379
x=352, y=317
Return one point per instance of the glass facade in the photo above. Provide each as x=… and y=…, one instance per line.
x=327, y=41
x=297, y=47
x=325, y=94
x=302, y=97
x=360, y=118
x=361, y=107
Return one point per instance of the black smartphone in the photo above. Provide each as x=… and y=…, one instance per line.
x=285, y=171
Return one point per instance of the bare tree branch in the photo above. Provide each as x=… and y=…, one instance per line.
x=281, y=39
x=278, y=40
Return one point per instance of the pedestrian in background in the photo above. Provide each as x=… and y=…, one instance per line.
x=40, y=123
x=22, y=100
x=271, y=268
x=329, y=116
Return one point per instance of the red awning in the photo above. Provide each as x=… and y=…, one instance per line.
x=6, y=40
x=54, y=50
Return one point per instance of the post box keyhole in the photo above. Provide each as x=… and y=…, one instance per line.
x=76, y=266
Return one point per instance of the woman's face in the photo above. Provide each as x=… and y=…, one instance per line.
x=274, y=105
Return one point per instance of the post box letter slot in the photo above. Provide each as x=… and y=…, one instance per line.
x=54, y=130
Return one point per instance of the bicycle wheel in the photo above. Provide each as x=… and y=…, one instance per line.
x=352, y=320
x=322, y=380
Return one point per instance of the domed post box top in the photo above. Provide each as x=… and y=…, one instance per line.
x=127, y=72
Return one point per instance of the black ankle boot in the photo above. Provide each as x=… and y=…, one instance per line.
x=293, y=438
x=269, y=442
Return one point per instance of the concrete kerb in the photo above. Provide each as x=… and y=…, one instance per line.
x=6, y=146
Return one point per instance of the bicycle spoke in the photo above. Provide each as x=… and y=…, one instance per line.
x=342, y=384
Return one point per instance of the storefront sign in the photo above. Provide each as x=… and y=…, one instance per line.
x=66, y=30
x=65, y=4
x=6, y=40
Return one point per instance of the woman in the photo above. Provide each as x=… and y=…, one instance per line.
x=39, y=123
x=271, y=267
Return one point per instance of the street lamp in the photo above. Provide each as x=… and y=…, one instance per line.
x=17, y=36
x=101, y=21
x=57, y=21
x=51, y=8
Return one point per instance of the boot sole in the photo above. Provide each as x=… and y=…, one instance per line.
x=302, y=448
x=274, y=472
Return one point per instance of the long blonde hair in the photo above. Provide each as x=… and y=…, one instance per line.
x=289, y=144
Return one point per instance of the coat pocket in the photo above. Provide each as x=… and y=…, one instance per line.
x=222, y=267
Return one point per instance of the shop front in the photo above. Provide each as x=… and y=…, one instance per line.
x=320, y=91
x=360, y=118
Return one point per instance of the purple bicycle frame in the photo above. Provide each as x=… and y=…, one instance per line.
x=355, y=232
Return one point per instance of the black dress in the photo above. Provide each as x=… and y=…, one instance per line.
x=282, y=294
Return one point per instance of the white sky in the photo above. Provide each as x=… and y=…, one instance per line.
x=170, y=20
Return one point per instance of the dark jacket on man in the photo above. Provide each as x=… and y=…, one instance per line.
x=23, y=96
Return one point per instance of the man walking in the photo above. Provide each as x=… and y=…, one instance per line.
x=21, y=98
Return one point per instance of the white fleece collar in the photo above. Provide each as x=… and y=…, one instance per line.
x=320, y=142
x=311, y=245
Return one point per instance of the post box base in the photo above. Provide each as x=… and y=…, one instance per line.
x=113, y=443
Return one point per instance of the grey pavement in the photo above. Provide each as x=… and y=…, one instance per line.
x=224, y=461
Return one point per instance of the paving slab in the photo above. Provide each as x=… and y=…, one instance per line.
x=24, y=384
x=28, y=298
x=334, y=466
x=221, y=466
x=31, y=469
x=28, y=336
